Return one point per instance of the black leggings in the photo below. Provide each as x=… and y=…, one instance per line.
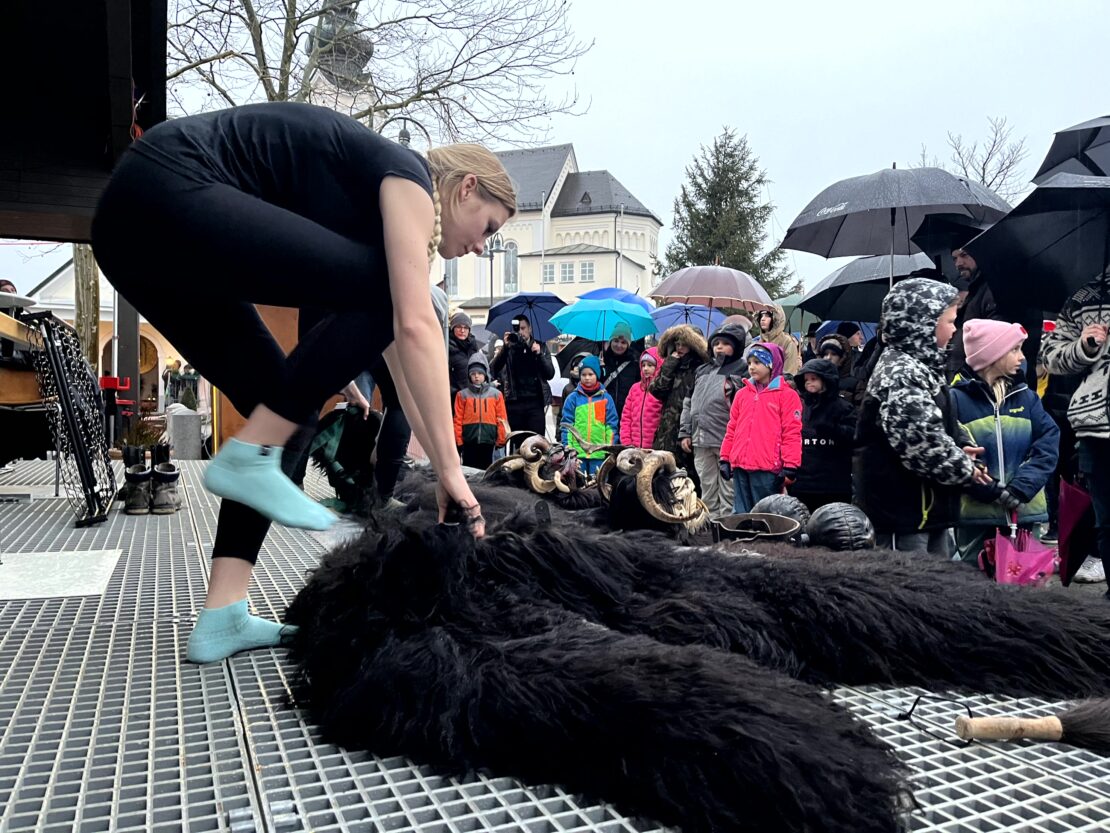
x=194, y=258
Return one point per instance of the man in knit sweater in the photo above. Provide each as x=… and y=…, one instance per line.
x=1078, y=346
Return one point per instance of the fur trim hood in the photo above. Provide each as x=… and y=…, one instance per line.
x=689, y=336
x=778, y=323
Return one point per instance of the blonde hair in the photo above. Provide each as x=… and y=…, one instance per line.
x=450, y=165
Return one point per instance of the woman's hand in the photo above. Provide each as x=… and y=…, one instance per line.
x=453, y=489
x=354, y=397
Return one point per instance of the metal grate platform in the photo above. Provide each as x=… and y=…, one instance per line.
x=102, y=727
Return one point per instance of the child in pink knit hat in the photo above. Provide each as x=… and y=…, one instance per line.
x=1005, y=418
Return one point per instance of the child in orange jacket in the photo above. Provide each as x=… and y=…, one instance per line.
x=762, y=448
x=481, y=423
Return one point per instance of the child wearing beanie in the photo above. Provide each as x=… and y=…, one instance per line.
x=589, y=418
x=1006, y=419
x=762, y=448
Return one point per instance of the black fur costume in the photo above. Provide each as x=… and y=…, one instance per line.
x=647, y=674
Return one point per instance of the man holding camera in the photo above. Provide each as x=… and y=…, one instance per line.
x=523, y=368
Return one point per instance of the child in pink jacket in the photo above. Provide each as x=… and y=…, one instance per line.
x=763, y=443
x=642, y=411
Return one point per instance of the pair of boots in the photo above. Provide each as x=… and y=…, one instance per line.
x=149, y=489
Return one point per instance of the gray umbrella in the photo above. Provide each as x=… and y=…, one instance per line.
x=1054, y=242
x=877, y=214
x=1083, y=149
x=855, y=292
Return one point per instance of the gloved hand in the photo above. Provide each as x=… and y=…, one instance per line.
x=784, y=480
x=1008, y=500
x=726, y=470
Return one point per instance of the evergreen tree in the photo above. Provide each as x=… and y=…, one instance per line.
x=719, y=217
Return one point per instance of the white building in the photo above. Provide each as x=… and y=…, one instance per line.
x=573, y=231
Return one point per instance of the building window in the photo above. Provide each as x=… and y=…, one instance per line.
x=451, y=277
x=566, y=273
x=586, y=271
x=549, y=273
x=510, y=269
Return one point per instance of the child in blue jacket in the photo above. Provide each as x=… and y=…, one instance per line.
x=1020, y=441
x=589, y=417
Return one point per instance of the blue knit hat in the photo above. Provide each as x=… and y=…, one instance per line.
x=761, y=354
x=592, y=363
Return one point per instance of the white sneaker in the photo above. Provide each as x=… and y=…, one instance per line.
x=1091, y=571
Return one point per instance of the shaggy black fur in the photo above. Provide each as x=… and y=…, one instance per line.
x=407, y=647
x=628, y=667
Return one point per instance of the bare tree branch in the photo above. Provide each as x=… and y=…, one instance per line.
x=463, y=69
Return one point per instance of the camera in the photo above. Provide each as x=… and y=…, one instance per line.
x=514, y=336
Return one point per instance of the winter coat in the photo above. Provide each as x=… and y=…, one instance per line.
x=594, y=417
x=705, y=412
x=1062, y=353
x=791, y=357
x=458, y=357
x=522, y=374
x=764, y=426
x=674, y=381
x=1021, y=442
x=480, y=417
x=828, y=429
x=908, y=470
x=640, y=416
x=620, y=373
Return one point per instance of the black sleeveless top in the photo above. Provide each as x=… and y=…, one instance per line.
x=310, y=160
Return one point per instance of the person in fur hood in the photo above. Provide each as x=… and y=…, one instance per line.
x=683, y=350
x=908, y=469
x=772, y=329
x=705, y=414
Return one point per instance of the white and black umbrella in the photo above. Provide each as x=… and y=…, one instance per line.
x=855, y=292
x=1083, y=149
x=879, y=213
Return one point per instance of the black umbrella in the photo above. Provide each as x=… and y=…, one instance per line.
x=1054, y=242
x=1083, y=149
x=573, y=348
x=855, y=292
x=877, y=214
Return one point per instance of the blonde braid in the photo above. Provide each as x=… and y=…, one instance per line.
x=437, y=228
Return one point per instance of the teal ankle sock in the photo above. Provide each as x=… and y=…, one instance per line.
x=223, y=631
x=252, y=474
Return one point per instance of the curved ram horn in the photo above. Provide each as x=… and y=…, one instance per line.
x=602, y=479
x=655, y=461
x=536, y=483
x=559, y=484
x=631, y=460
x=533, y=448
x=513, y=462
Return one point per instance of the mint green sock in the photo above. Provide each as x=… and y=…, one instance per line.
x=223, y=631
x=251, y=474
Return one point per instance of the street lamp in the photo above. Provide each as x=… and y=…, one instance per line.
x=494, y=245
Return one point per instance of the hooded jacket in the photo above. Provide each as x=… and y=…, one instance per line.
x=908, y=469
x=791, y=358
x=675, y=381
x=705, y=412
x=1062, y=353
x=1021, y=444
x=640, y=417
x=593, y=415
x=480, y=417
x=847, y=382
x=765, y=424
x=828, y=430
x=620, y=373
x=458, y=358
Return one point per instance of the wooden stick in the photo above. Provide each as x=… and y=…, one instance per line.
x=1009, y=728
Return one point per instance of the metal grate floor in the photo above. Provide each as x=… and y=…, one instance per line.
x=102, y=727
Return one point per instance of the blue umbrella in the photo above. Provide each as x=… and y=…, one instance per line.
x=612, y=293
x=696, y=315
x=829, y=327
x=538, y=307
x=595, y=318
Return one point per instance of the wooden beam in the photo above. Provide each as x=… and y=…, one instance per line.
x=45, y=225
x=23, y=336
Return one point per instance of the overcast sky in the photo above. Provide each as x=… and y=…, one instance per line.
x=823, y=91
